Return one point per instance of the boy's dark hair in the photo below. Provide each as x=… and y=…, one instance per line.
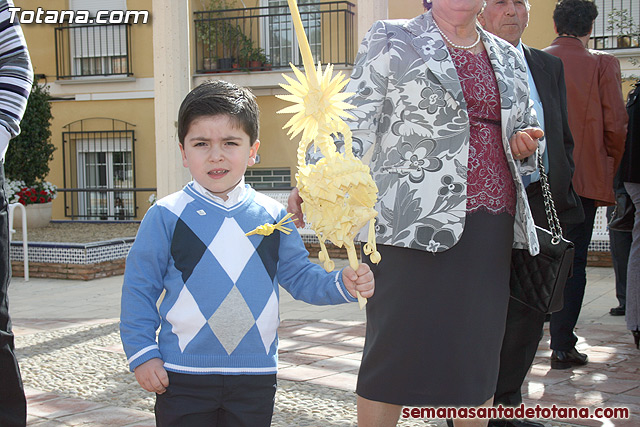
x=217, y=97
x=575, y=17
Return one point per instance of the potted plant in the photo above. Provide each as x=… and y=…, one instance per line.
x=206, y=35
x=245, y=50
x=210, y=63
x=27, y=161
x=228, y=43
x=258, y=58
x=621, y=24
x=215, y=35
x=266, y=63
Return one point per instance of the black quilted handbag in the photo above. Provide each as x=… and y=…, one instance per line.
x=538, y=281
x=624, y=214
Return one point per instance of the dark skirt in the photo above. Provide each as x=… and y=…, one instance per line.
x=436, y=321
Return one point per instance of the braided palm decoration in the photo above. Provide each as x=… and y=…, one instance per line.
x=338, y=192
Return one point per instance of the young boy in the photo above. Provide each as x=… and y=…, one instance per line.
x=214, y=362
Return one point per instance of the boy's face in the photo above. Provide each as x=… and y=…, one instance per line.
x=217, y=153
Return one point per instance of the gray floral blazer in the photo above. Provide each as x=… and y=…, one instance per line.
x=411, y=125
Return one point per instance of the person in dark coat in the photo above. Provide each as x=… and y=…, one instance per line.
x=524, y=326
x=631, y=178
x=598, y=122
x=620, y=243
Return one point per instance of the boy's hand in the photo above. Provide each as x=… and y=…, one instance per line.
x=360, y=280
x=152, y=376
x=524, y=143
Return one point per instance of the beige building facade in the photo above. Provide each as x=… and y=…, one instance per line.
x=116, y=88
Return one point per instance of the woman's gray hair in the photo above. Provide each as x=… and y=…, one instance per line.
x=427, y=4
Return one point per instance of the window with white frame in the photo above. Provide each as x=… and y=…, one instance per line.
x=105, y=163
x=98, y=50
x=279, y=38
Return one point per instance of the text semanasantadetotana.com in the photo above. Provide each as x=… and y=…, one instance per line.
x=43, y=16
x=519, y=412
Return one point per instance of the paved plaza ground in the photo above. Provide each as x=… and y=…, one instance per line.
x=75, y=372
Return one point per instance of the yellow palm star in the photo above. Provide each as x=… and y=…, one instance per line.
x=318, y=101
x=338, y=191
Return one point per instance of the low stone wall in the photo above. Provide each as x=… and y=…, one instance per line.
x=599, y=259
x=72, y=261
x=116, y=267
x=334, y=251
x=70, y=271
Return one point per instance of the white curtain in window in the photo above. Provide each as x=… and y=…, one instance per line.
x=92, y=42
x=93, y=6
x=106, y=145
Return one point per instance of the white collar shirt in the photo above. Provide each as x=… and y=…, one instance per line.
x=235, y=196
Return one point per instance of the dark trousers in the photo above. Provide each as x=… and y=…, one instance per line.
x=564, y=321
x=523, y=332
x=524, y=328
x=216, y=401
x=620, y=242
x=13, y=405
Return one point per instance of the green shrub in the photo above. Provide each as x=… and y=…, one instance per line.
x=30, y=152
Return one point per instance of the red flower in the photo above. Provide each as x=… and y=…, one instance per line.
x=37, y=194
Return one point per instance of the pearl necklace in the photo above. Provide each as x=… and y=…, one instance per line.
x=457, y=46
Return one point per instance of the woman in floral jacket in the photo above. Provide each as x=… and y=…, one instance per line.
x=444, y=120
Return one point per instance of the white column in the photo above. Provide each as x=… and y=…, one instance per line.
x=172, y=81
x=368, y=12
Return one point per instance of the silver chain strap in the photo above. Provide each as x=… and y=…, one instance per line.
x=549, y=205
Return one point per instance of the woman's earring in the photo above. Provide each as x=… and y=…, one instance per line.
x=251, y=161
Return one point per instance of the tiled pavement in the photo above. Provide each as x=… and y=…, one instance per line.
x=322, y=346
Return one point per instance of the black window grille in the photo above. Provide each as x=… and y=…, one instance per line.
x=617, y=25
x=262, y=38
x=93, y=50
x=99, y=172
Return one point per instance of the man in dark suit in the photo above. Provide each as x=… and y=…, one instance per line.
x=524, y=329
x=598, y=122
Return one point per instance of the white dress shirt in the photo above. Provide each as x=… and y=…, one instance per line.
x=537, y=106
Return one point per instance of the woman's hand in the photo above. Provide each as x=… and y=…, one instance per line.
x=524, y=143
x=294, y=206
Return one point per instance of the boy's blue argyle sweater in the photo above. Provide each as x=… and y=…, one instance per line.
x=219, y=314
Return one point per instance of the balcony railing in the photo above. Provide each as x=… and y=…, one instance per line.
x=617, y=25
x=261, y=38
x=93, y=50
